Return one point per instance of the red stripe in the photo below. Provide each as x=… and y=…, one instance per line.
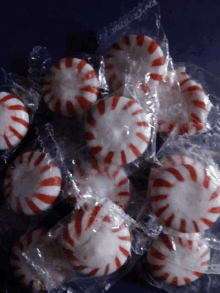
x=206, y=180
x=78, y=222
x=158, y=197
x=45, y=169
x=127, y=41
x=176, y=174
x=124, y=251
x=70, y=108
x=68, y=62
x=117, y=262
x=116, y=47
x=162, y=183
x=30, y=157
x=57, y=107
x=93, y=272
x=159, y=212
x=67, y=237
x=21, y=121
x=184, y=81
x=6, y=98
x=142, y=137
x=140, y=40
x=101, y=107
x=163, y=277
x=174, y=281
x=90, y=119
x=128, y=105
x=53, y=181
x=15, y=132
x=48, y=199
x=7, y=141
x=90, y=136
x=122, y=182
x=197, y=274
x=184, y=128
x=91, y=89
x=106, y=269
x=194, y=88
x=195, y=226
x=205, y=263
x=93, y=216
x=81, y=65
x=199, y=104
x=137, y=112
x=204, y=253
x=157, y=254
x=96, y=150
x=158, y=62
x=39, y=159
x=145, y=89
x=91, y=74
x=32, y=206
x=144, y=123
x=214, y=195
x=134, y=150
x=124, y=238
x=125, y=193
x=183, y=225
x=83, y=102
x=156, y=268
x=152, y=47
x=123, y=158
x=169, y=221
x=109, y=157
x=215, y=210
x=17, y=108
x=115, y=102
x=166, y=241
x=192, y=172
x=57, y=65
x=187, y=280
x=156, y=76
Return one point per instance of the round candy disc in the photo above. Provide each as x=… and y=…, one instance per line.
x=134, y=57
x=184, y=196
x=31, y=253
x=178, y=261
x=32, y=183
x=117, y=130
x=14, y=121
x=97, y=241
x=103, y=181
x=184, y=106
x=70, y=87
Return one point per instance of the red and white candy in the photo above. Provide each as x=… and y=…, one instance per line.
x=38, y=263
x=177, y=261
x=117, y=130
x=184, y=106
x=103, y=182
x=97, y=240
x=14, y=121
x=70, y=86
x=135, y=57
x=184, y=195
x=32, y=183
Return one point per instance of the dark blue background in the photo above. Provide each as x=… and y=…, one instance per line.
x=192, y=28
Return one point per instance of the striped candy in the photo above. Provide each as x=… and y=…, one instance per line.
x=132, y=56
x=32, y=183
x=178, y=261
x=183, y=195
x=14, y=121
x=103, y=181
x=184, y=107
x=39, y=263
x=117, y=130
x=70, y=87
x=97, y=241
